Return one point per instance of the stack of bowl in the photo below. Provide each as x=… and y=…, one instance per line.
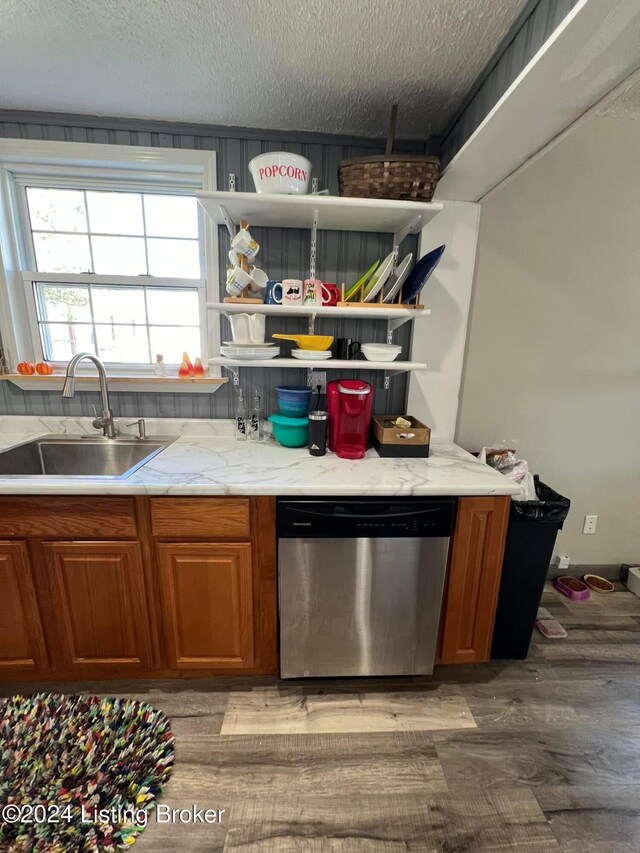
x=381, y=352
x=291, y=425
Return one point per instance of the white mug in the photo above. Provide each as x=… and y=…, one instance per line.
x=313, y=292
x=237, y=280
x=259, y=277
x=292, y=292
x=247, y=328
x=244, y=244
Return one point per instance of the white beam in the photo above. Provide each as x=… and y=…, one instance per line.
x=591, y=52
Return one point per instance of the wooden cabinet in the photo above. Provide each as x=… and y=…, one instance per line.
x=116, y=587
x=99, y=614
x=473, y=580
x=201, y=518
x=206, y=591
x=22, y=644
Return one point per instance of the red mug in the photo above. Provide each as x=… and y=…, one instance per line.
x=334, y=294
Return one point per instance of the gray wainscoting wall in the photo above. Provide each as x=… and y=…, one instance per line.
x=341, y=256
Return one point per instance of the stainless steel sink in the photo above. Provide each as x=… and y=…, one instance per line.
x=80, y=456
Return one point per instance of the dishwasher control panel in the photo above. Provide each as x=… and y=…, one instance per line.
x=365, y=517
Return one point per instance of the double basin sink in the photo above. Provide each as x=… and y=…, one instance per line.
x=80, y=456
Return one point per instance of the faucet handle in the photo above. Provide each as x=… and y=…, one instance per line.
x=98, y=421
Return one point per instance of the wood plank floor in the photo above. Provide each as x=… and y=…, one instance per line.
x=527, y=756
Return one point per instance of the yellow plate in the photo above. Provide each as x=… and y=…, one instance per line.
x=317, y=342
x=353, y=290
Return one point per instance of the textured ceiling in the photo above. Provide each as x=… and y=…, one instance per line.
x=332, y=66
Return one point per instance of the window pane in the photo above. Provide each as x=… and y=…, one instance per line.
x=118, y=305
x=174, y=307
x=61, y=342
x=171, y=216
x=62, y=253
x=174, y=258
x=172, y=342
x=63, y=303
x=123, y=343
x=115, y=213
x=118, y=255
x=56, y=210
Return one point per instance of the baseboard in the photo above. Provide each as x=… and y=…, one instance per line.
x=610, y=571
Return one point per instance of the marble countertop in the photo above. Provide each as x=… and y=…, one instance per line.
x=206, y=460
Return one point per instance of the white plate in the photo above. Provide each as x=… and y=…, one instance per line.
x=238, y=344
x=311, y=354
x=378, y=278
x=398, y=278
x=249, y=355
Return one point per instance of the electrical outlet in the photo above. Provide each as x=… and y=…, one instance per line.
x=590, y=523
x=564, y=561
x=319, y=377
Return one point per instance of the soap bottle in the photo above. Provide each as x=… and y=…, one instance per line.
x=256, y=432
x=241, y=418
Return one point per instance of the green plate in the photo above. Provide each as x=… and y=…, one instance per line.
x=361, y=281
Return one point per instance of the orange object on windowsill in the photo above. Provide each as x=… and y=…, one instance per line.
x=25, y=368
x=187, y=361
x=198, y=369
x=183, y=371
x=43, y=368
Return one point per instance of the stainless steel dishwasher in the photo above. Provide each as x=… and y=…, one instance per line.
x=360, y=584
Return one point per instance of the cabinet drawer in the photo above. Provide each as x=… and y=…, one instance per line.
x=200, y=518
x=67, y=518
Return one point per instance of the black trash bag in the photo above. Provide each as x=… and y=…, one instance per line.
x=551, y=508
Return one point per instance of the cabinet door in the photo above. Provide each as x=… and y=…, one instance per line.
x=22, y=645
x=473, y=582
x=207, y=604
x=100, y=608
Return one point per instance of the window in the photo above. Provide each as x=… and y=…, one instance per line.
x=113, y=259
x=114, y=234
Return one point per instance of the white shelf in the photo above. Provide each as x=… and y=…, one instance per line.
x=302, y=311
x=333, y=212
x=138, y=384
x=390, y=367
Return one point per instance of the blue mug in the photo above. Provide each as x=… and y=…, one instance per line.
x=271, y=296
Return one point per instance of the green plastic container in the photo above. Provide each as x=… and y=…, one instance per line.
x=290, y=432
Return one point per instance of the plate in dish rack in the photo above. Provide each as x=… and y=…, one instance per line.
x=379, y=278
x=398, y=278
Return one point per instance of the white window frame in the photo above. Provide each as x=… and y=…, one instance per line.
x=93, y=166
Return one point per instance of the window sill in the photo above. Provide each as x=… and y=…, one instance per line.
x=141, y=384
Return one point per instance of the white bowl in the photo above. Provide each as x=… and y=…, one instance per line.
x=387, y=348
x=380, y=356
x=281, y=173
x=381, y=352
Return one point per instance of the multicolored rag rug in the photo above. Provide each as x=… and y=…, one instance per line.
x=79, y=773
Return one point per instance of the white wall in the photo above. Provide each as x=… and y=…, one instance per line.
x=553, y=353
x=439, y=339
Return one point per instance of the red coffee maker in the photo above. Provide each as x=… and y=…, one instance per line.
x=349, y=406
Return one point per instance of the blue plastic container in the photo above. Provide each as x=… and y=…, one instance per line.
x=290, y=432
x=293, y=400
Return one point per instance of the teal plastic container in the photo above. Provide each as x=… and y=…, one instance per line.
x=290, y=432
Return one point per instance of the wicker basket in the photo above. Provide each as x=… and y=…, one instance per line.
x=400, y=176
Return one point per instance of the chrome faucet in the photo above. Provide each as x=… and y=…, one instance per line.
x=104, y=421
